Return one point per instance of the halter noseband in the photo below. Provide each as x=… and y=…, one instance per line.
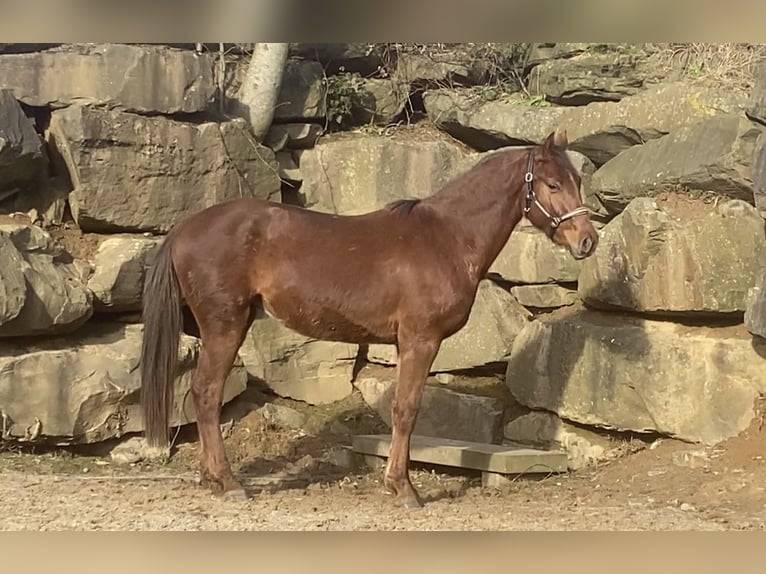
x=530, y=198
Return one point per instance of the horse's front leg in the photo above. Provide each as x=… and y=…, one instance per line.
x=416, y=355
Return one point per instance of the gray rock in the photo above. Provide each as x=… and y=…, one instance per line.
x=283, y=416
x=698, y=458
x=546, y=430
x=298, y=367
x=13, y=287
x=135, y=78
x=303, y=93
x=379, y=101
x=540, y=52
x=95, y=381
x=119, y=269
x=712, y=155
x=44, y=289
x=360, y=173
x=660, y=257
x=755, y=313
x=600, y=130
x=424, y=69
x=620, y=372
x=293, y=136
x=168, y=168
x=23, y=163
x=594, y=75
x=136, y=449
x=756, y=105
x=759, y=175
x=336, y=57
x=548, y=296
x=443, y=413
x=495, y=319
x=486, y=125
x=530, y=257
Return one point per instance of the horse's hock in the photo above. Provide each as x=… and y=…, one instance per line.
x=661, y=331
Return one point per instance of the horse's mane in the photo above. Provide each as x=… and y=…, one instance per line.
x=402, y=206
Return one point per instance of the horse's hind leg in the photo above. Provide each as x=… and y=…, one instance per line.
x=416, y=355
x=220, y=342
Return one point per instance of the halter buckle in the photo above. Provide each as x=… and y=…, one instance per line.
x=528, y=177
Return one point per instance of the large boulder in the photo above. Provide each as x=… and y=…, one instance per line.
x=43, y=288
x=293, y=136
x=302, y=95
x=119, y=268
x=298, y=367
x=600, y=130
x=13, y=287
x=362, y=58
x=149, y=79
x=530, y=257
x=756, y=105
x=541, y=52
x=352, y=174
x=546, y=296
x=593, y=75
x=378, y=101
x=755, y=314
x=541, y=429
x=437, y=68
x=486, y=125
x=22, y=159
x=633, y=374
x=443, y=413
x=675, y=256
x=86, y=388
x=759, y=175
x=495, y=319
x=169, y=169
x=712, y=155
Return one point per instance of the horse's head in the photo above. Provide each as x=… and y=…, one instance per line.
x=551, y=198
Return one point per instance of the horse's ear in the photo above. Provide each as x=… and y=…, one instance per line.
x=556, y=140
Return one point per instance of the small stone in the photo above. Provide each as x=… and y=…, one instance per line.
x=444, y=378
x=136, y=450
x=495, y=480
x=341, y=456
x=691, y=458
x=283, y=416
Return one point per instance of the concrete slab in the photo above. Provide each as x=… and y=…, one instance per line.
x=496, y=458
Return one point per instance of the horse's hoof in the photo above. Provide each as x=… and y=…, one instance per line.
x=238, y=495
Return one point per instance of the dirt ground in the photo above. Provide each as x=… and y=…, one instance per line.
x=306, y=480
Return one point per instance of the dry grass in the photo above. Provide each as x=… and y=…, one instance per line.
x=731, y=64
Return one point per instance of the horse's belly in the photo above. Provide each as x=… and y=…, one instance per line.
x=329, y=324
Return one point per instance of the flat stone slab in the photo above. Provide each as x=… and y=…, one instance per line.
x=463, y=454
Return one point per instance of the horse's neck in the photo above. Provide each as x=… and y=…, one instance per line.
x=482, y=208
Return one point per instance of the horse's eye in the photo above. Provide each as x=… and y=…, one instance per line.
x=554, y=185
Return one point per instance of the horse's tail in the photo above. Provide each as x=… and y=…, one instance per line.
x=163, y=321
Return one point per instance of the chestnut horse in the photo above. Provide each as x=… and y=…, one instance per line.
x=406, y=274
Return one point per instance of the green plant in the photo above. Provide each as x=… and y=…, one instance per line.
x=342, y=91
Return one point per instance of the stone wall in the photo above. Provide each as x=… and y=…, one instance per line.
x=661, y=331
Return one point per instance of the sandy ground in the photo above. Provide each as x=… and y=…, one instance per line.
x=305, y=480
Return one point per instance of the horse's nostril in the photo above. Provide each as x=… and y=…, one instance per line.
x=586, y=245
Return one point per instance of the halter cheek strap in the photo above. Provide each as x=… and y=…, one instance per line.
x=531, y=199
